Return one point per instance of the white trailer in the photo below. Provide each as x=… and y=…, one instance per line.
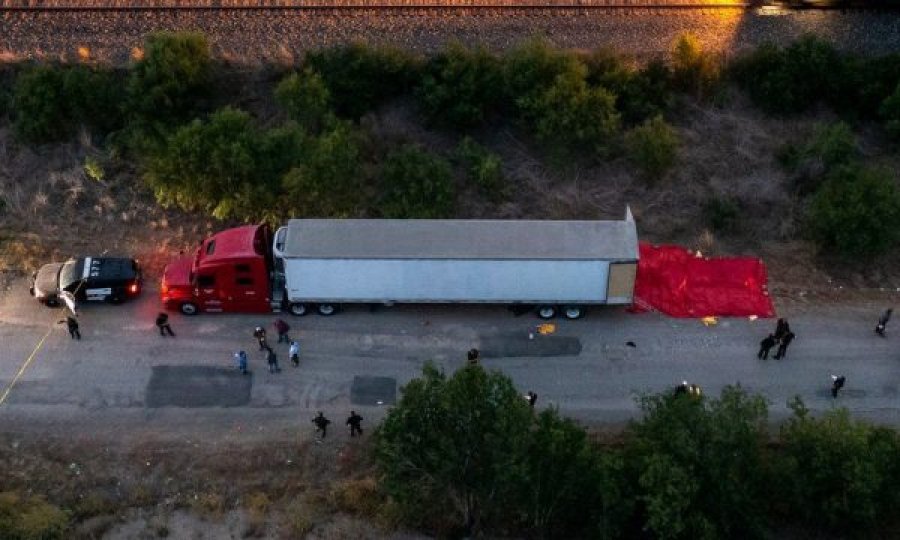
x=551, y=265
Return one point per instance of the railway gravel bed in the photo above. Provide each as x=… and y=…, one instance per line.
x=280, y=36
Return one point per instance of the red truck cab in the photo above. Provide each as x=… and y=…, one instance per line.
x=229, y=272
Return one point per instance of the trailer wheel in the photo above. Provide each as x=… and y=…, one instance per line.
x=188, y=308
x=51, y=302
x=298, y=309
x=326, y=310
x=546, y=312
x=573, y=312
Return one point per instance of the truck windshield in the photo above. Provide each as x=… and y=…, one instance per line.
x=70, y=272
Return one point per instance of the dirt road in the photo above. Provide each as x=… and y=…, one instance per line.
x=124, y=379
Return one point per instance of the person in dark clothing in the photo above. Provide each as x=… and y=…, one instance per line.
x=282, y=328
x=765, y=346
x=354, y=422
x=272, y=359
x=162, y=322
x=260, y=334
x=72, y=326
x=837, y=384
x=241, y=358
x=882, y=322
x=531, y=398
x=781, y=329
x=473, y=355
x=321, y=424
x=783, y=345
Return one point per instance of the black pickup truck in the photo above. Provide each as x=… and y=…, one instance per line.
x=109, y=279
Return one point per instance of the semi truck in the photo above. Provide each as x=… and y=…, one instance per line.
x=554, y=267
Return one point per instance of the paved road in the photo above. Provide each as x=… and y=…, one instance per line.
x=124, y=378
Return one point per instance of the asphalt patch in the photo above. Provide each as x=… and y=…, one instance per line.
x=373, y=391
x=198, y=386
x=516, y=345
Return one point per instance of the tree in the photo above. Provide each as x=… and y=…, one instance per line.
x=700, y=464
x=169, y=85
x=653, y=147
x=454, y=444
x=839, y=474
x=306, y=99
x=459, y=86
x=220, y=166
x=694, y=70
x=854, y=212
x=328, y=181
x=360, y=77
x=416, y=184
x=890, y=113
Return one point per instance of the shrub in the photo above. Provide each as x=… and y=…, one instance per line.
x=839, y=474
x=50, y=102
x=169, y=85
x=721, y=215
x=890, y=113
x=306, y=99
x=794, y=79
x=416, y=184
x=360, y=77
x=460, y=87
x=224, y=166
x=484, y=169
x=854, y=211
x=327, y=182
x=30, y=518
x=532, y=68
x=653, y=147
x=694, y=70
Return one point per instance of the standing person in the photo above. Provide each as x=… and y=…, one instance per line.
x=781, y=329
x=783, y=345
x=321, y=424
x=272, y=360
x=282, y=328
x=260, y=334
x=72, y=326
x=531, y=398
x=162, y=322
x=882, y=321
x=472, y=356
x=294, y=351
x=765, y=346
x=836, y=385
x=241, y=358
x=354, y=422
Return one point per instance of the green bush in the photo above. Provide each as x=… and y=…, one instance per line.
x=700, y=465
x=306, y=99
x=653, y=147
x=171, y=84
x=532, y=68
x=840, y=474
x=694, y=70
x=328, y=181
x=459, y=87
x=793, y=79
x=642, y=94
x=890, y=113
x=360, y=77
x=30, y=518
x=721, y=215
x=224, y=166
x=50, y=102
x=854, y=212
x=416, y=184
x=484, y=169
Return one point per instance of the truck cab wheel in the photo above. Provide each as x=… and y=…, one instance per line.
x=298, y=309
x=326, y=309
x=188, y=308
x=546, y=312
x=573, y=312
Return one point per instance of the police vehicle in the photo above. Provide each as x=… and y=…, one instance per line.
x=98, y=279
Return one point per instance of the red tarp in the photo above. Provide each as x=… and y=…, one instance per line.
x=672, y=280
